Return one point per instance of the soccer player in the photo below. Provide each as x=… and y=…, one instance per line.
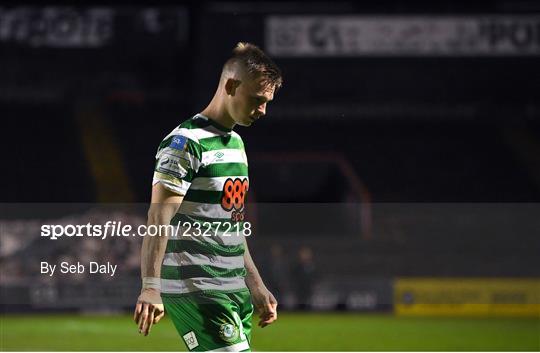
x=208, y=284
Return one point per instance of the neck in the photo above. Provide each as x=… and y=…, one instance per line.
x=217, y=111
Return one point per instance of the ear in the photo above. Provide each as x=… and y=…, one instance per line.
x=231, y=85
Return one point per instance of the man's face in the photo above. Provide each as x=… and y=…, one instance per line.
x=249, y=101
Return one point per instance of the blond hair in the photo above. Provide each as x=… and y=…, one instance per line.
x=255, y=62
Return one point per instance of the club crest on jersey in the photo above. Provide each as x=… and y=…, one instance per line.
x=179, y=142
x=228, y=332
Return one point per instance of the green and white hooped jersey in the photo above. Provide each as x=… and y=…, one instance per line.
x=207, y=164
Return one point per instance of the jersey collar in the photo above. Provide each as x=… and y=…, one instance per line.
x=214, y=123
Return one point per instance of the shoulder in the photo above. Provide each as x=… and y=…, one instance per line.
x=193, y=130
x=181, y=140
x=188, y=129
x=237, y=136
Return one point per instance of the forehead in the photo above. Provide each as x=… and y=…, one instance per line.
x=260, y=86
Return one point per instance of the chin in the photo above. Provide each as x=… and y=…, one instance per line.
x=246, y=122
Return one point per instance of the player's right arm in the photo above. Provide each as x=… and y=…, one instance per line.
x=177, y=161
x=149, y=308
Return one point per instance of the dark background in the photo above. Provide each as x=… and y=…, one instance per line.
x=441, y=129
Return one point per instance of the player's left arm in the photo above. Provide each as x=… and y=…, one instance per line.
x=264, y=301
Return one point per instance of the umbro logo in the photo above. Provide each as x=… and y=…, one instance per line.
x=219, y=154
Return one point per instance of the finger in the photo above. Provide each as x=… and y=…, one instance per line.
x=260, y=309
x=270, y=316
x=266, y=323
x=266, y=315
x=138, y=309
x=274, y=310
x=150, y=322
x=269, y=308
x=263, y=323
x=267, y=320
x=159, y=316
x=143, y=317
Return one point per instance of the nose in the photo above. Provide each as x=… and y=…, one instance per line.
x=261, y=109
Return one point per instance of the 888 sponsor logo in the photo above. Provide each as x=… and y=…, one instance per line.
x=234, y=197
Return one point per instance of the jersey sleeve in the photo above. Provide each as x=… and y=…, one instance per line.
x=177, y=162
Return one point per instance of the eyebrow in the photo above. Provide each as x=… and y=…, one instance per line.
x=263, y=97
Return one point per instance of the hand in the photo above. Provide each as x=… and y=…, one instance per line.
x=149, y=310
x=266, y=305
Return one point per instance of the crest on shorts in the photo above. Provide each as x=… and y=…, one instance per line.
x=228, y=332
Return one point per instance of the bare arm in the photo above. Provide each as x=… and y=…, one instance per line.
x=253, y=278
x=264, y=301
x=162, y=209
x=149, y=308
